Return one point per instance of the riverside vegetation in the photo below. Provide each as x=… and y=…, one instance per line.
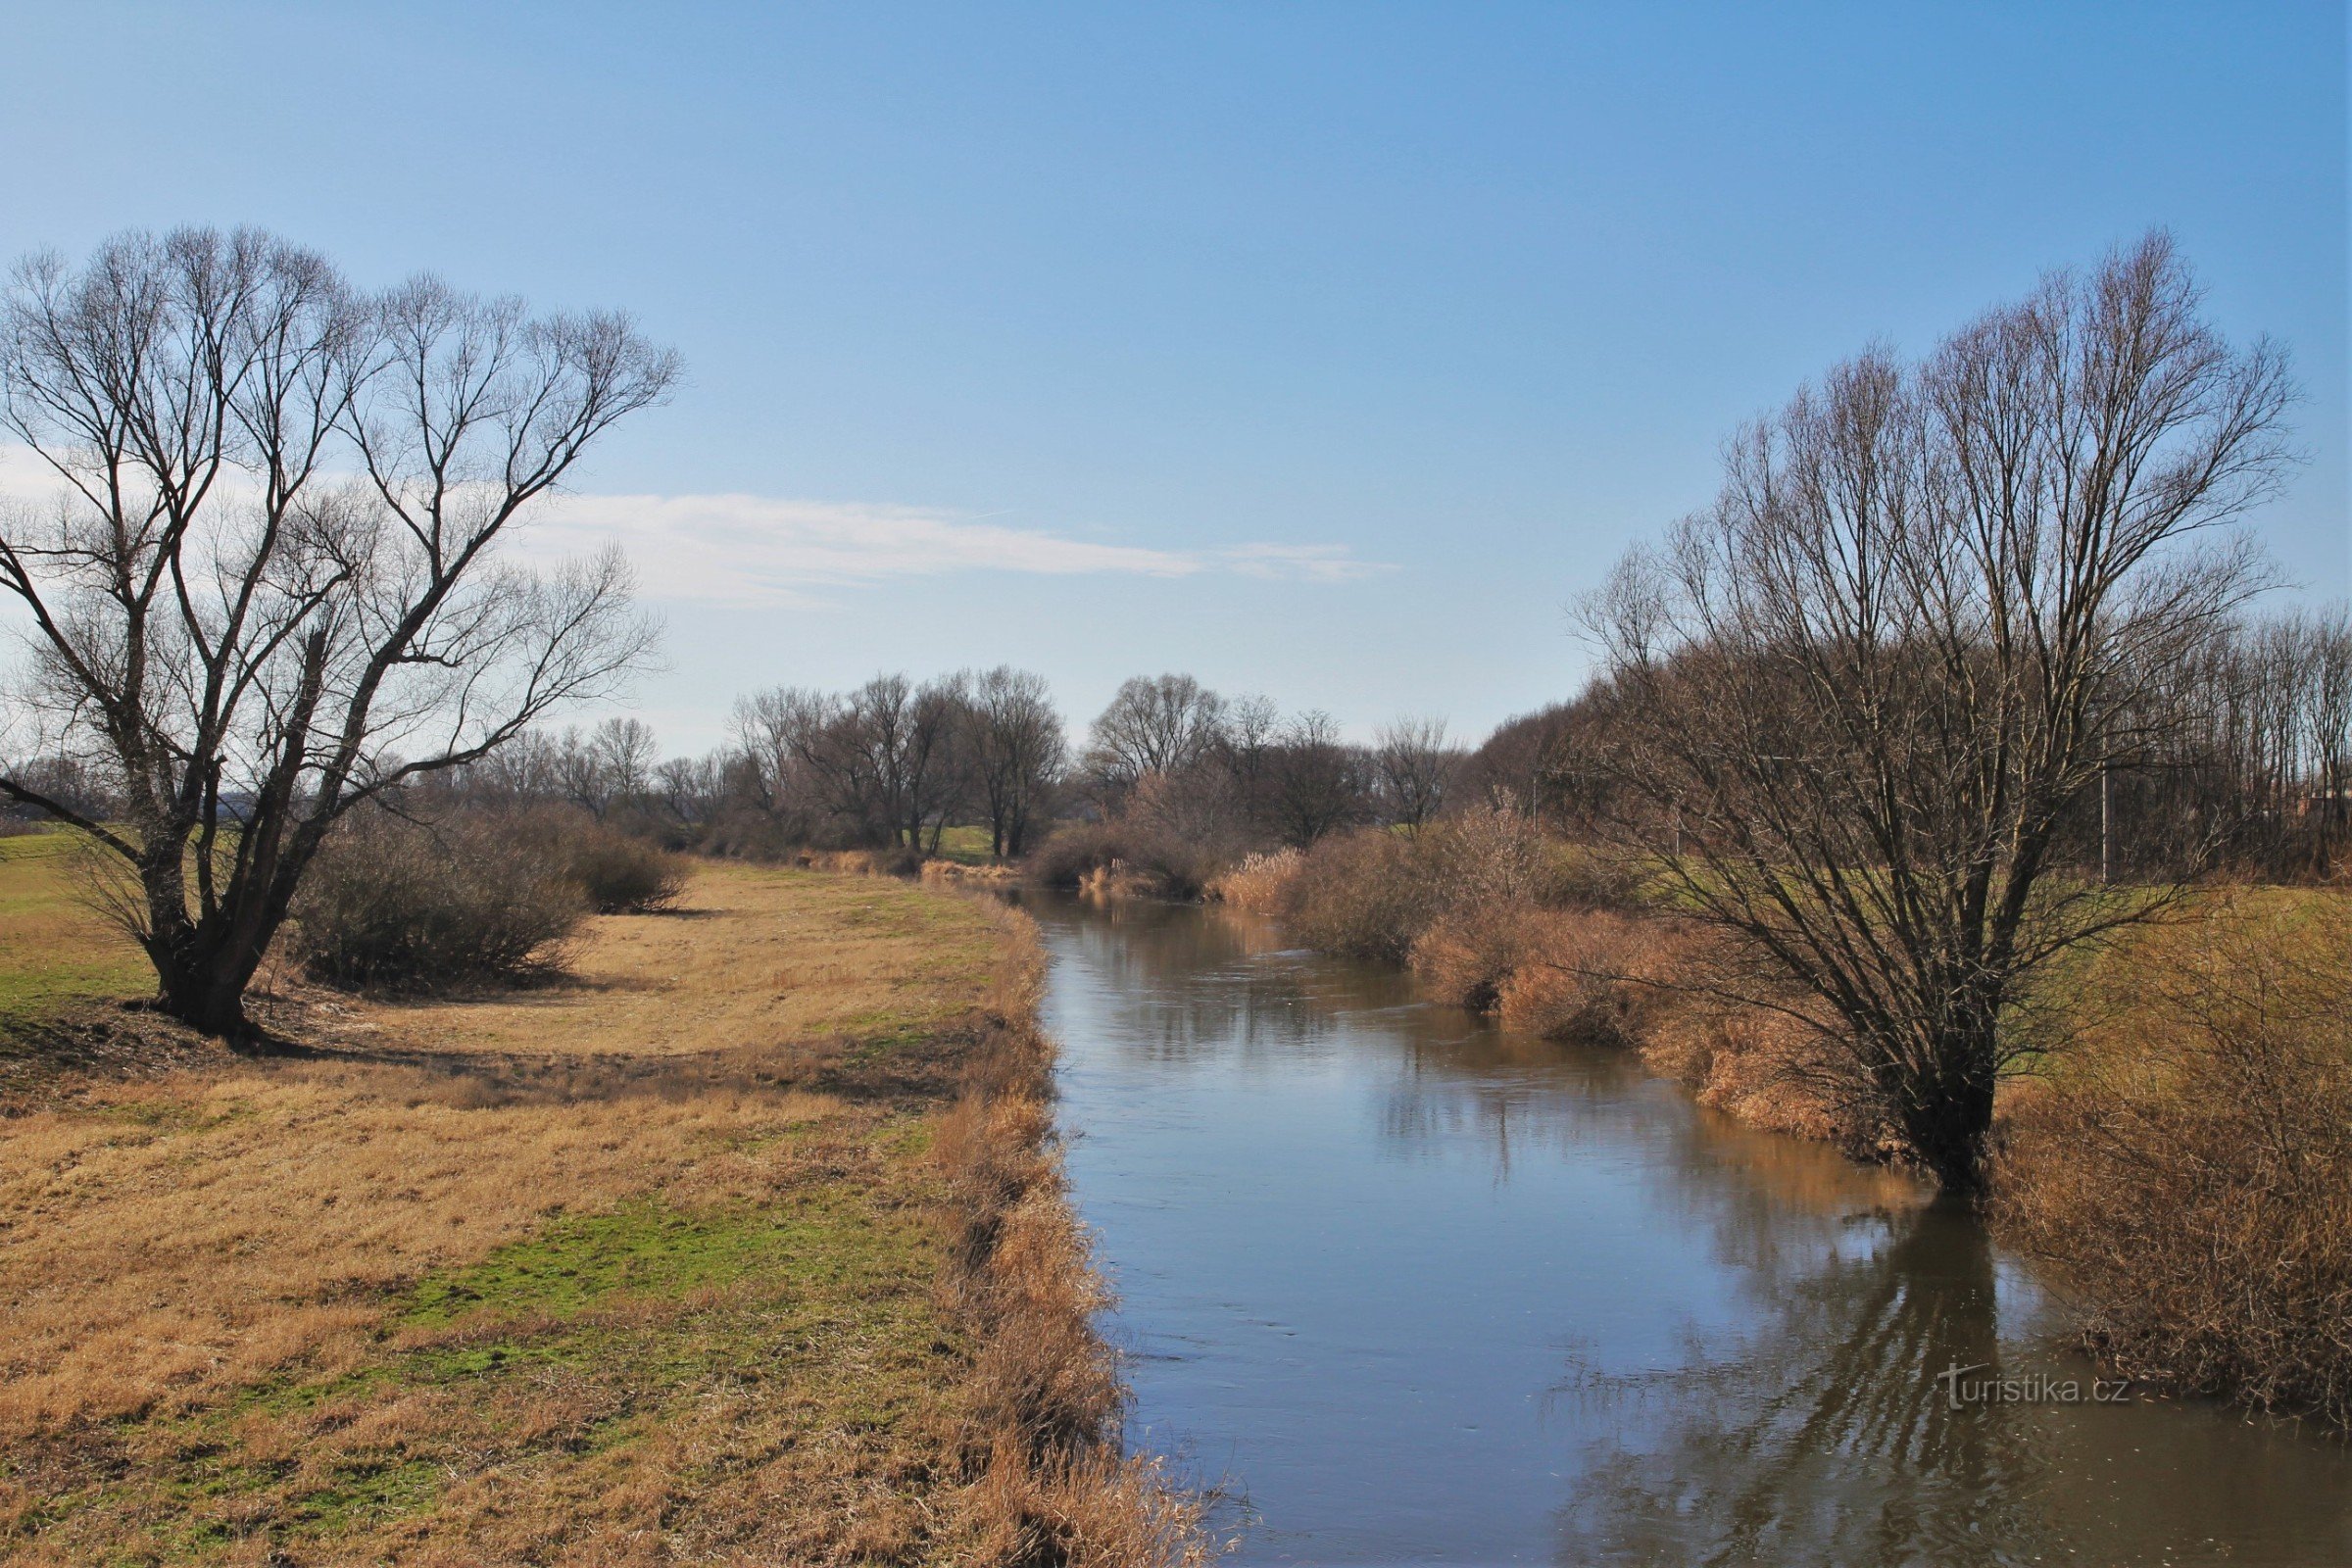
x=743, y=1240
x=2181, y=1162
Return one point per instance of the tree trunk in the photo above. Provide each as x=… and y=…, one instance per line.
x=203, y=966
x=1947, y=1120
x=210, y=997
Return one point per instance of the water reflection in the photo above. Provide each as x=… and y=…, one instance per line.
x=1434, y=1293
x=1825, y=1437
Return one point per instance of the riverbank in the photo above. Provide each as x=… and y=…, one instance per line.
x=1433, y=1291
x=2176, y=1154
x=744, y=1242
x=1554, y=940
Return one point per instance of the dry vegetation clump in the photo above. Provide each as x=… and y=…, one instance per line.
x=1468, y=955
x=995, y=873
x=618, y=872
x=391, y=902
x=653, y=1265
x=1772, y=1071
x=1125, y=856
x=2188, y=1165
x=902, y=861
x=1367, y=893
x=468, y=896
x=1591, y=974
x=1260, y=883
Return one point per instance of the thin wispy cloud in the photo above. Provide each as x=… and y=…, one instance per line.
x=747, y=551
x=743, y=550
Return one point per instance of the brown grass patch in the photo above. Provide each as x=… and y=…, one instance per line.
x=656, y=1265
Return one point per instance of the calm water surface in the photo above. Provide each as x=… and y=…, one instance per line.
x=1424, y=1291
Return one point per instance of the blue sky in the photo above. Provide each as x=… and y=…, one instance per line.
x=1322, y=350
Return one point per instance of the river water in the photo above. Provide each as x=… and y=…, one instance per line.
x=1419, y=1290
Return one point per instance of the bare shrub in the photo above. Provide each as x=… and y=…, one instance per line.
x=621, y=875
x=1133, y=855
x=397, y=903
x=1468, y=955
x=1487, y=855
x=1366, y=893
x=616, y=872
x=2189, y=1170
x=1769, y=1070
x=1589, y=975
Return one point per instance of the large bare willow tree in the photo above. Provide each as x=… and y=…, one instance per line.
x=1855, y=701
x=262, y=583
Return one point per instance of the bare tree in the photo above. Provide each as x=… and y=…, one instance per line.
x=883, y=764
x=935, y=765
x=1017, y=749
x=1412, y=767
x=249, y=643
x=1154, y=725
x=691, y=789
x=1855, y=700
x=1319, y=783
x=611, y=765
x=1251, y=732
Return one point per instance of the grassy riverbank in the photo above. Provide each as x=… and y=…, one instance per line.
x=745, y=1243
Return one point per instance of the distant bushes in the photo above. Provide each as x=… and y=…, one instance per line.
x=2187, y=1167
x=1126, y=856
x=1367, y=893
x=467, y=897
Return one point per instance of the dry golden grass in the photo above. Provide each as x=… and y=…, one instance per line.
x=653, y=1265
x=2186, y=1166
x=753, y=957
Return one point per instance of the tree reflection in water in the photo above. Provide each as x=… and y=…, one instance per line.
x=1824, y=1436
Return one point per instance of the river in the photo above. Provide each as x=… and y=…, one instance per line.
x=1415, y=1289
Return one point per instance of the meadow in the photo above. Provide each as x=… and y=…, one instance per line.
x=741, y=1241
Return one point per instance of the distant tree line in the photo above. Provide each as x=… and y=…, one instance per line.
x=894, y=764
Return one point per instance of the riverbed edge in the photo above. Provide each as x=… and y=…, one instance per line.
x=1049, y=1400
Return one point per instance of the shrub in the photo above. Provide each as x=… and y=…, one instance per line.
x=1770, y=1070
x=1467, y=955
x=397, y=903
x=1261, y=882
x=2187, y=1167
x=1132, y=856
x=1589, y=975
x=618, y=873
x=1367, y=893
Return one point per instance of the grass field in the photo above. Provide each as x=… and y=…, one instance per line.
x=643, y=1267
x=967, y=846
x=54, y=950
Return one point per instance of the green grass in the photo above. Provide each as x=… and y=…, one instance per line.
x=55, y=949
x=646, y=1248
x=968, y=845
